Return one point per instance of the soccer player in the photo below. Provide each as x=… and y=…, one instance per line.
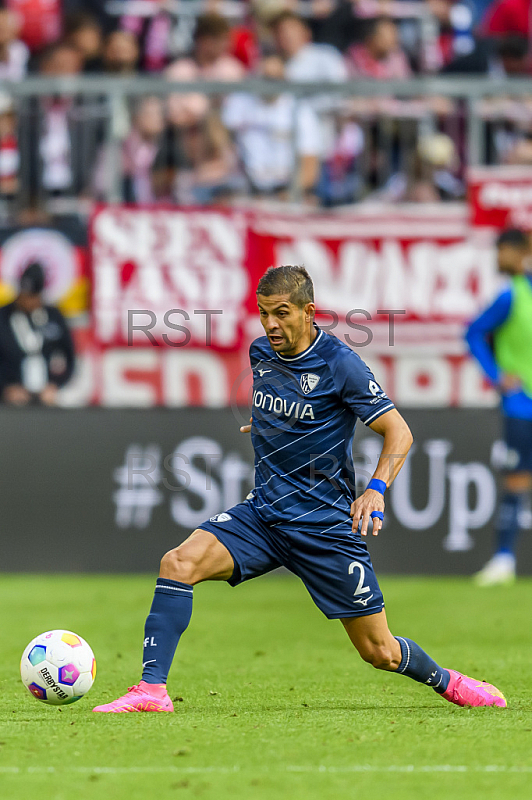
x=501, y=340
x=309, y=388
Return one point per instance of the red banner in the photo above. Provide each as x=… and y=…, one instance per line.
x=422, y=275
x=500, y=196
x=397, y=285
x=168, y=277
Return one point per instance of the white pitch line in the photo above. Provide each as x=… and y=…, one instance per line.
x=322, y=769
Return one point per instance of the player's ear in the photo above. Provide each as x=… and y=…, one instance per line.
x=310, y=310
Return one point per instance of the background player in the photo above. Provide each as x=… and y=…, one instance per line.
x=308, y=391
x=501, y=341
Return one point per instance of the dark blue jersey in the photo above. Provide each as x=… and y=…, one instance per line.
x=305, y=408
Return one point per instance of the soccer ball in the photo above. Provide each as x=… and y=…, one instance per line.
x=58, y=667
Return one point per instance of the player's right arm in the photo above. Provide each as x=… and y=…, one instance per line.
x=477, y=338
x=397, y=442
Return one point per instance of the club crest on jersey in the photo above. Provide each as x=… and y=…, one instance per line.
x=309, y=381
x=223, y=517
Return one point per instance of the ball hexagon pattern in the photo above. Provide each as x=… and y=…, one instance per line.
x=68, y=674
x=58, y=667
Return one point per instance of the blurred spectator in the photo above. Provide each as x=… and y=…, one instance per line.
x=55, y=136
x=508, y=16
x=521, y=152
x=121, y=53
x=153, y=34
x=139, y=152
x=14, y=54
x=59, y=60
x=430, y=178
x=195, y=165
x=339, y=180
x=334, y=22
x=455, y=22
x=266, y=139
x=141, y=148
x=305, y=60
x=39, y=21
x=36, y=349
x=513, y=55
x=506, y=56
x=210, y=60
x=9, y=153
x=84, y=33
x=380, y=55
x=206, y=171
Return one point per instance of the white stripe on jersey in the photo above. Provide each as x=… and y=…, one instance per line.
x=378, y=413
x=304, y=353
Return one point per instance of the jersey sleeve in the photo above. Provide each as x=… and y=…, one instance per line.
x=358, y=389
x=479, y=330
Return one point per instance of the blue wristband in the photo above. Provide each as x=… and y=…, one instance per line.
x=377, y=485
x=378, y=514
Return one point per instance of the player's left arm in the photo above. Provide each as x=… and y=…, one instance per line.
x=397, y=442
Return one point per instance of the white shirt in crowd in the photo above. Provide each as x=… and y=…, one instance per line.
x=320, y=62
x=264, y=135
x=317, y=62
x=16, y=65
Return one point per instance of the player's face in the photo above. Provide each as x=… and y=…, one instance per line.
x=287, y=326
x=510, y=259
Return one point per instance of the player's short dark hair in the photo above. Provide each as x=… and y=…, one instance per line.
x=513, y=237
x=290, y=280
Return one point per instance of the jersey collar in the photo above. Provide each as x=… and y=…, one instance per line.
x=305, y=352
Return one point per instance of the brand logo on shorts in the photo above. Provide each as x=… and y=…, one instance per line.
x=309, y=381
x=363, y=600
x=224, y=517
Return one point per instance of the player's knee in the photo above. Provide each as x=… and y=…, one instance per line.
x=177, y=566
x=379, y=656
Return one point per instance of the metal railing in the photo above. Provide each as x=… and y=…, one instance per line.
x=392, y=114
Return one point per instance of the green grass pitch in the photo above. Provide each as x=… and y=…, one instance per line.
x=275, y=701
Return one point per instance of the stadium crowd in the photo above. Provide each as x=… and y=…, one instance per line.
x=194, y=149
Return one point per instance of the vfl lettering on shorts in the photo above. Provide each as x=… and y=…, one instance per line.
x=223, y=517
x=361, y=589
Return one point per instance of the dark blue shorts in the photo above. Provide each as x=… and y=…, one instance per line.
x=336, y=569
x=518, y=437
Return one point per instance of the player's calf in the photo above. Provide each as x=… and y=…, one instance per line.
x=380, y=657
x=201, y=557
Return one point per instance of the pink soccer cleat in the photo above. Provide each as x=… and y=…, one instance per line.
x=144, y=697
x=464, y=691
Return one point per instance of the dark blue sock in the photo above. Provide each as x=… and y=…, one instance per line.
x=168, y=618
x=508, y=522
x=420, y=667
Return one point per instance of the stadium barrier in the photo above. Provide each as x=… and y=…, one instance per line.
x=390, y=119
x=112, y=490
